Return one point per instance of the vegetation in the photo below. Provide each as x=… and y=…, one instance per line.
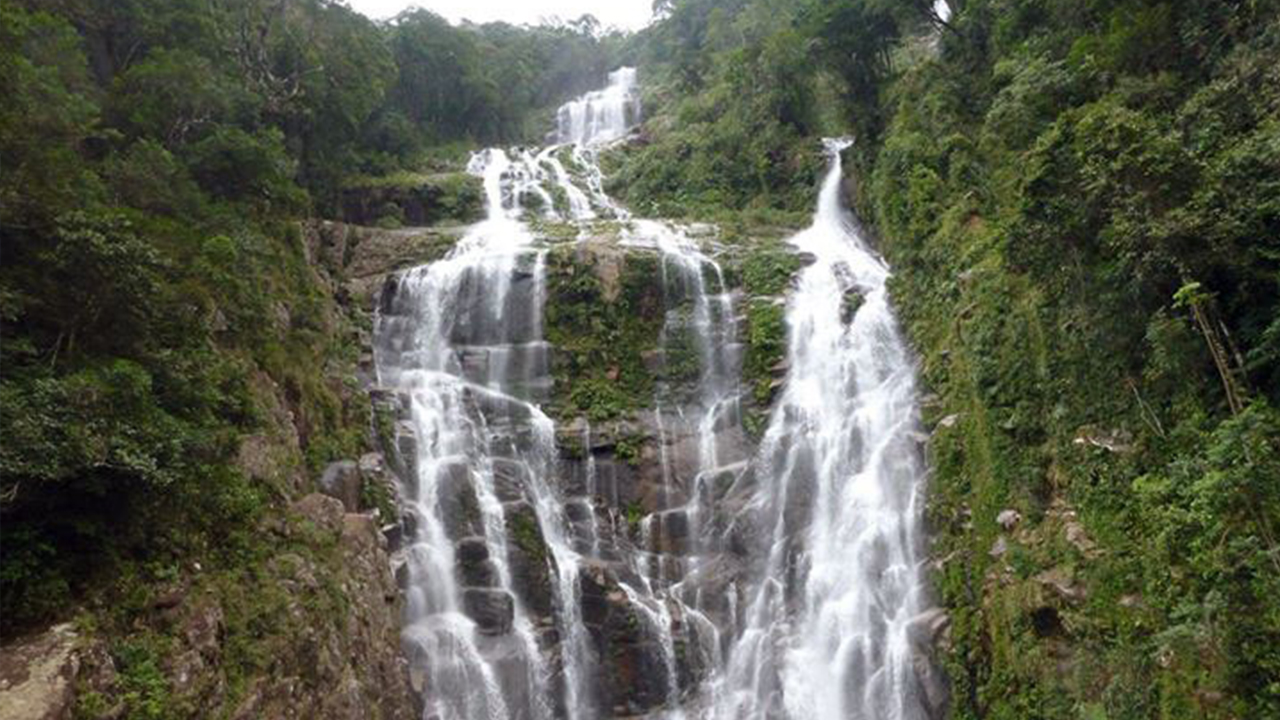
x=1079, y=189
x=739, y=105
x=604, y=310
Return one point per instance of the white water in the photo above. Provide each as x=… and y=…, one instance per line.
x=429, y=349
x=460, y=342
x=827, y=630
x=831, y=591
x=602, y=116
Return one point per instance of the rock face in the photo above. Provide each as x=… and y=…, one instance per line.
x=37, y=675
x=322, y=640
x=351, y=666
x=414, y=200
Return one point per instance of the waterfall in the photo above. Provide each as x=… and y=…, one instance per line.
x=601, y=116
x=829, y=625
x=505, y=565
x=461, y=367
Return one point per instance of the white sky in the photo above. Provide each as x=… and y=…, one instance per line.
x=627, y=14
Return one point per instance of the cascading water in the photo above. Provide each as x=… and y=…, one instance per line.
x=602, y=116
x=828, y=630
x=815, y=620
x=460, y=365
x=460, y=342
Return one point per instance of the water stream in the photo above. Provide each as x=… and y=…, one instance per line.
x=828, y=626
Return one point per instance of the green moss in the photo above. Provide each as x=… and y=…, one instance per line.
x=635, y=514
x=528, y=536
x=600, y=333
x=768, y=267
x=766, y=347
x=376, y=495
x=629, y=449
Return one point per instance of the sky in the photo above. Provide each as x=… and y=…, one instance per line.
x=626, y=14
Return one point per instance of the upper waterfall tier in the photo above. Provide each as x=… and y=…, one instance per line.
x=602, y=116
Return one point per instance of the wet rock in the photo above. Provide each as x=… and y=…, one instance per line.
x=530, y=559
x=405, y=456
x=492, y=610
x=578, y=512
x=850, y=304
x=509, y=480
x=633, y=670
x=672, y=533
x=927, y=628
x=395, y=536
x=400, y=568
x=459, y=506
x=934, y=690
x=474, y=564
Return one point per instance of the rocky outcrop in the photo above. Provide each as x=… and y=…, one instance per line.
x=349, y=665
x=308, y=632
x=37, y=675
x=621, y=378
x=414, y=200
x=359, y=258
x=311, y=632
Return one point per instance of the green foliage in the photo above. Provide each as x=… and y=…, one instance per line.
x=144, y=688
x=766, y=347
x=528, y=536
x=635, y=515
x=152, y=269
x=380, y=497
x=490, y=82
x=737, y=101
x=628, y=449
x=1047, y=188
x=31, y=587
x=48, y=112
x=768, y=268
x=602, y=332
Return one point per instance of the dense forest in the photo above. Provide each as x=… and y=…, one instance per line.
x=1080, y=200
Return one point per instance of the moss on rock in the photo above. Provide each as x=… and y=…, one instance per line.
x=604, y=311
